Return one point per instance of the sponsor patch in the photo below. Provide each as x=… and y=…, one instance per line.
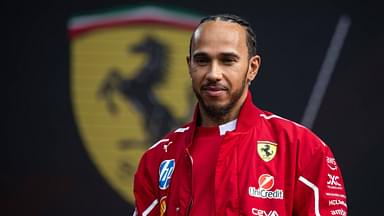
x=341, y=212
x=260, y=212
x=163, y=205
x=165, y=146
x=331, y=162
x=266, y=150
x=336, y=195
x=337, y=202
x=333, y=183
x=165, y=173
x=266, y=183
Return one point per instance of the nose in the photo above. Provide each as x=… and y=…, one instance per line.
x=214, y=72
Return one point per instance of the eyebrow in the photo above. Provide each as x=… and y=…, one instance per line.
x=230, y=55
x=224, y=54
x=199, y=54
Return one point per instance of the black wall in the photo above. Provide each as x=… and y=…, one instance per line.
x=45, y=169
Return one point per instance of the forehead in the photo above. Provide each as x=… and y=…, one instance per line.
x=219, y=36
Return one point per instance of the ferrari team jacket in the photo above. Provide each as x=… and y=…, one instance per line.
x=267, y=166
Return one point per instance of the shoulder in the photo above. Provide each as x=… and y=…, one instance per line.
x=295, y=132
x=296, y=140
x=167, y=144
x=165, y=150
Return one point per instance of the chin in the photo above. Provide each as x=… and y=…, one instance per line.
x=216, y=103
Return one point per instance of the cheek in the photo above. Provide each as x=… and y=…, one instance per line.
x=237, y=77
x=196, y=75
x=196, y=79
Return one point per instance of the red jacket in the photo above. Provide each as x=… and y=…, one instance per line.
x=267, y=166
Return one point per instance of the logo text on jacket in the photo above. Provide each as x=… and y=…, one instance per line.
x=165, y=173
x=266, y=182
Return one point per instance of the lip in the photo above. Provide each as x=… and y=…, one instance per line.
x=214, y=90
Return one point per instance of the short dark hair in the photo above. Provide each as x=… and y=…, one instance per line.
x=251, y=37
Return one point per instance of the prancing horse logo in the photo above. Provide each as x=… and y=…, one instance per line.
x=129, y=85
x=139, y=90
x=266, y=150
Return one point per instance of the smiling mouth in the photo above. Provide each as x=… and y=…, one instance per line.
x=214, y=90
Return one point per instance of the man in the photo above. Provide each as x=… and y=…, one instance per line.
x=233, y=158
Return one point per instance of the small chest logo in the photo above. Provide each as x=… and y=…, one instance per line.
x=266, y=182
x=260, y=212
x=165, y=173
x=266, y=150
x=163, y=205
x=331, y=162
x=264, y=191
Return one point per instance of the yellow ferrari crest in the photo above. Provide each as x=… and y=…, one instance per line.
x=129, y=85
x=266, y=150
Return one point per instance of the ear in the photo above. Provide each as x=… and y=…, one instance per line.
x=254, y=65
x=188, y=59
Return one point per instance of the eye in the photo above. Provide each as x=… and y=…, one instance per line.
x=228, y=61
x=201, y=60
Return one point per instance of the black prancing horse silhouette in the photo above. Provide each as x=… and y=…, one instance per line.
x=139, y=90
x=267, y=150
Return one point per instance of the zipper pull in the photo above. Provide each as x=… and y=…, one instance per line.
x=189, y=207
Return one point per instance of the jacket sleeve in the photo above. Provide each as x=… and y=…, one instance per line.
x=319, y=187
x=145, y=188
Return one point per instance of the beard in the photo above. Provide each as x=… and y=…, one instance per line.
x=218, y=112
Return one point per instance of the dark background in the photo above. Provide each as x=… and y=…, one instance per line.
x=45, y=169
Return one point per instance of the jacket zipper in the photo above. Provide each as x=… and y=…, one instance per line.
x=189, y=207
x=191, y=199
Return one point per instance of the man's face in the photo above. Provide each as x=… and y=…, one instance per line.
x=219, y=66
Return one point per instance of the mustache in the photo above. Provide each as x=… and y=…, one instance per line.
x=214, y=86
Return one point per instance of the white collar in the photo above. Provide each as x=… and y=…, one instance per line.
x=229, y=126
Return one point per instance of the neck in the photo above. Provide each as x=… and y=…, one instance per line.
x=214, y=121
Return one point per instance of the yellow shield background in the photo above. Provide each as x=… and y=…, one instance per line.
x=116, y=140
x=266, y=150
